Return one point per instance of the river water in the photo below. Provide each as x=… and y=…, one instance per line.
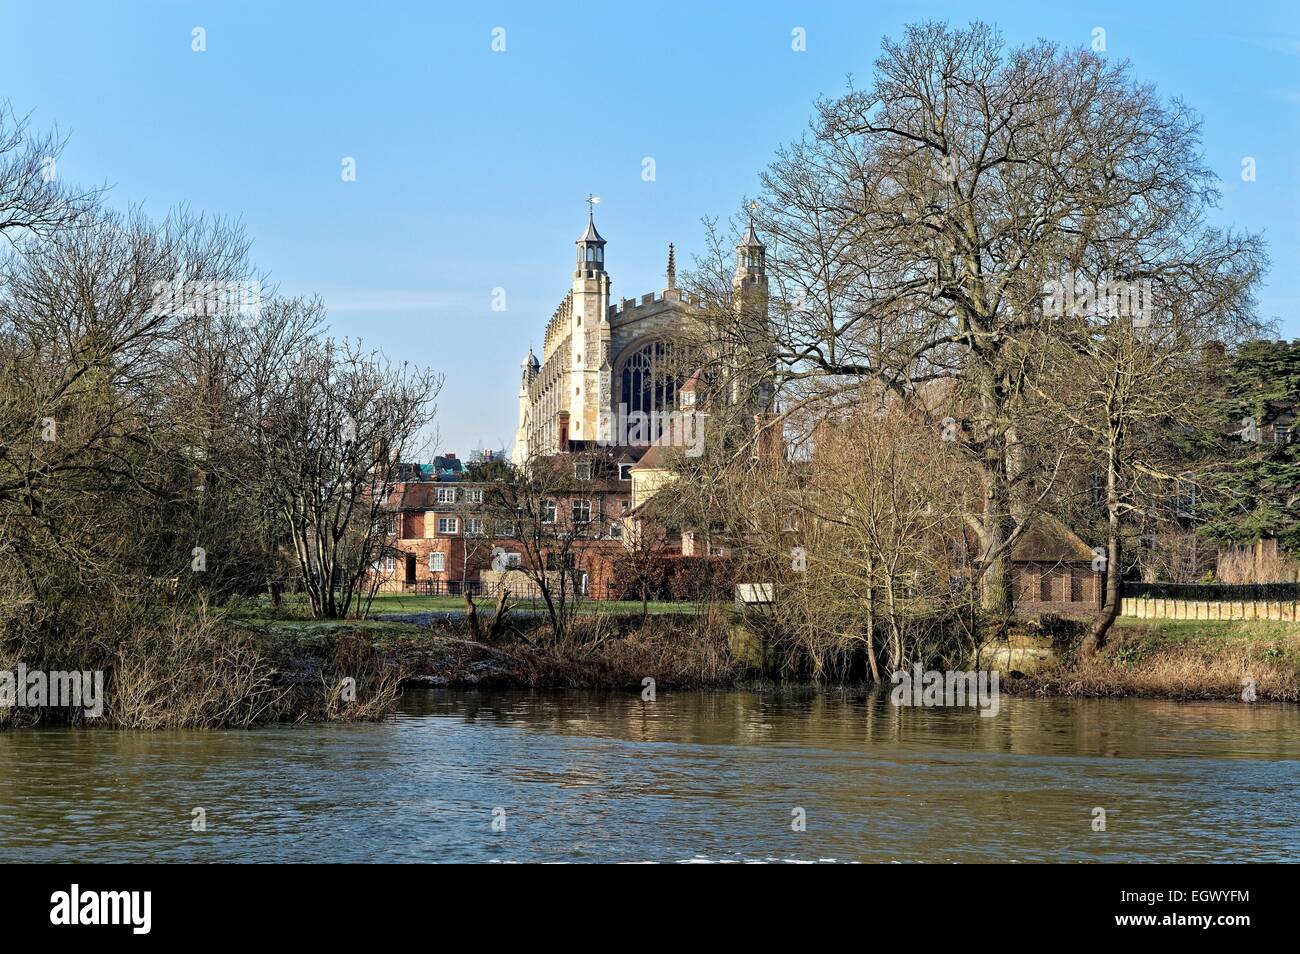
x=708, y=776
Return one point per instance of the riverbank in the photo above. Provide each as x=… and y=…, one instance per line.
x=601, y=652
x=1168, y=659
x=1179, y=659
x=254, y=666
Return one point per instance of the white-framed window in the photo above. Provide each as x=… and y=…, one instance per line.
x=446, y=495
x=448, y=524
x=581, y=511
x=389, y=564
x=473, y=495
x=508, y=529
x=513, y=560
x=582, y=470
x=624, y=505
x=437, y=562
x=625, y=471
x=473, y=526
x=548, y=511
x=616, y=531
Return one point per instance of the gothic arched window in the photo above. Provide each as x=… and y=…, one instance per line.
x=650, y=379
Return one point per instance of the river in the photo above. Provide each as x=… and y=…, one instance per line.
x=706, y=776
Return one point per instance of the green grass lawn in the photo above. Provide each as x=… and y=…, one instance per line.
x=1269, y=637
x=294, y=610
x=407, y=603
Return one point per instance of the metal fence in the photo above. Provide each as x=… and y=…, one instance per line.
x=1215, y=592
x=526, y=590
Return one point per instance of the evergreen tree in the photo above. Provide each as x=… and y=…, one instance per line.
x=1260, y=493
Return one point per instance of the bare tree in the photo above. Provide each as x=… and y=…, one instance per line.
x=913, y=229
x=334, y=436
x=91, y=453
x=34, y=202
x=551, y=522
x=645, y=539
x=1131, y=380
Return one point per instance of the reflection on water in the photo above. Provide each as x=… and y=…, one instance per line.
x=592, y=776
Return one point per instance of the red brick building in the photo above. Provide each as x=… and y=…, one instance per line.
x=448, y=528
x=1054, y=571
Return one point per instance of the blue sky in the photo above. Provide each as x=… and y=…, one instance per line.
x=472, y=166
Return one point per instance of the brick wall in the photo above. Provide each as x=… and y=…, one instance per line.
x=1056, y=588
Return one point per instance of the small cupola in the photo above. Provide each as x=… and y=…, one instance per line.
x=591, y=247
x=751, y=254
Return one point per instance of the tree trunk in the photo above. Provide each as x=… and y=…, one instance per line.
x=995, y=589
x=871, y=636
x=1096, y=637
x=499, y=620
x=996, y=592
x=471, y=615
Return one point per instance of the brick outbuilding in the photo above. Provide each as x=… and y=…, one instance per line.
x=1053, y=571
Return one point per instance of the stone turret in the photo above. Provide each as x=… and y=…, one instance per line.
x=751, y=303
x=589, y=336
x=751, y=262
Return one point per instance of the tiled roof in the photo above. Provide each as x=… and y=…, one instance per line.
x=1049, y=541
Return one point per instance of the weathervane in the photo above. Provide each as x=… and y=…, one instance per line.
x=592, y=202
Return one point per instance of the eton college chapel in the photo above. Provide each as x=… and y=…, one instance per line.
x=601, y=360
x=605, y=359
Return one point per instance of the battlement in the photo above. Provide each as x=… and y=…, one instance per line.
x=653, y=302
x=557, y=328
